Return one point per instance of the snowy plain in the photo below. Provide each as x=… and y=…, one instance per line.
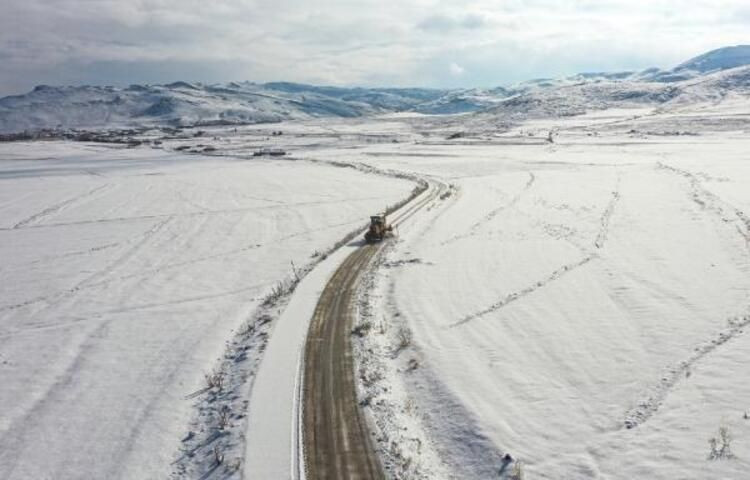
x=581, y=305
x=124, y=272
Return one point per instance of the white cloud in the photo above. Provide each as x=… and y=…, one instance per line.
x=456, y=69
x=405, y=42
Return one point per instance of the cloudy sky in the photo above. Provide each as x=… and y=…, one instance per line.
x=355, y=42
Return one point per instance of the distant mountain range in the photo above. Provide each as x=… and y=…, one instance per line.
x=707, y=77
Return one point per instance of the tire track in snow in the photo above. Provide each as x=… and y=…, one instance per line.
x=513, y=201
x=216, y=256
x=512, y=297
x=599, y=242
x=239, y=210
x=601, y=237
x=89, y=282
x=655, y=396
x=76, y=253
x=493, y=213
x=651, y=402
x=708, y=200
x=51, y=210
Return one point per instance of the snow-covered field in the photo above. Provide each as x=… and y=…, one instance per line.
x=124, y=272
x=582, y=305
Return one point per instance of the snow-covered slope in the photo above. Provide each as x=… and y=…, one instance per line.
x=719, y=59
x=568, y=97
x=183, y=103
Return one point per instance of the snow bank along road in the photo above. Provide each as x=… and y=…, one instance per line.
x=337, y=443
x=275, y=424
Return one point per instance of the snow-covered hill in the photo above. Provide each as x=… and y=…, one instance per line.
x=588, y=92
x=183, y=103
x=719, y=59
x=708, y=77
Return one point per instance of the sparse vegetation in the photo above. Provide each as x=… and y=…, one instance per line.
x=215, y=380
x=412, y=365
x=224, y=416
x=721, y=445
x=277, y=292
x=403, y=338
x=235, y=466
x=362, y=329
x=517, y=472
x=218, y=456
x=410, y=406
x=370, y=378
x=383, y=327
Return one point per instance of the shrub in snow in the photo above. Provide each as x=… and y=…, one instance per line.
x=720, y=445
x=223, y=420
x=362, y=329
x=218, y=456
x=412, y=365
x=403, y=338
x=517, y=472
x=215, y=380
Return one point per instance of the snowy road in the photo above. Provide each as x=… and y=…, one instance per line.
x=582, y=304
x=578, y=305
x=337, y=443
x=124, y=272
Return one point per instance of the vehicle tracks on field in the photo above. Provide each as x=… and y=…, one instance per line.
x=53, y=209
x=589, y=255
x=709, y=201
x=335, y=438
x=496, y=211
x=647, y=406
x=653, y=397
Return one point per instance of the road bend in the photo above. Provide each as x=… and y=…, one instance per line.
x=336, y=442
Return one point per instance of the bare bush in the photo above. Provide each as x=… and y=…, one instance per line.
x=517, y=472
x=370, y=378
x=362, y=329
x=224, y=416
x=412, y=365
x=248, y=329
x=410, y=406
x=218, y=456
x=277, y=292
x=721, y=445
x=403, y=338
x=215, y=380
x=235, y=466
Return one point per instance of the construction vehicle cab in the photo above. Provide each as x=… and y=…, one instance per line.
x=379, y=228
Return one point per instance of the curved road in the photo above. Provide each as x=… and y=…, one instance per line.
x=336, y=441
